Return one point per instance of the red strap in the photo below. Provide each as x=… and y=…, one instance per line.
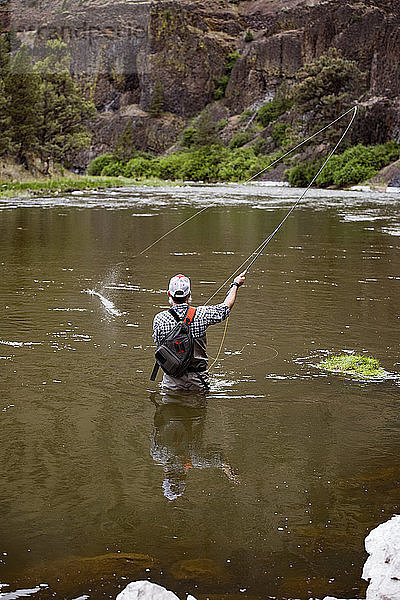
x=190, y=314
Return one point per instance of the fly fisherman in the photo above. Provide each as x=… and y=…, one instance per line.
x=195, y=376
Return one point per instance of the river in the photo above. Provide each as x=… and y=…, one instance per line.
x=265, y=488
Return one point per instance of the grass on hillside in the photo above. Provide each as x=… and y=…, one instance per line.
x=355, y=365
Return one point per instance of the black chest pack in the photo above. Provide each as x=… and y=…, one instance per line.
x=175, y=353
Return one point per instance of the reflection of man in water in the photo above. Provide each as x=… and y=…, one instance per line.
x=176, y=442
x=179, y=296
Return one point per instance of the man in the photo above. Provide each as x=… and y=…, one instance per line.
x=179, y=296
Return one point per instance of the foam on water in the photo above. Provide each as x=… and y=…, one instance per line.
x=108, y=304
x=19, y=344
x=189, y=195
x=391, y=230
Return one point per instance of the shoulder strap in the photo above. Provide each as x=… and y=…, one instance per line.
x=187, y=318
x=189, y=315
x=174, y=314
x=154, y=372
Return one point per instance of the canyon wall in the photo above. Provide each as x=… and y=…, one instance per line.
x=122, y=50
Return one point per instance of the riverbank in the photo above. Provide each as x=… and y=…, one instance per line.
x=24, y=187
x=57, y=185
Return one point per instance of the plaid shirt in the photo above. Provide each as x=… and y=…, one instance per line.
x=204, y=316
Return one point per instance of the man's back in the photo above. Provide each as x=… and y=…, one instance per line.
x=204, y=316
x=179, y=295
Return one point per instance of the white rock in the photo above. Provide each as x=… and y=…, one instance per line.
x=382, y=567
x=333, y=598
x=360, y=188
x=145, y=590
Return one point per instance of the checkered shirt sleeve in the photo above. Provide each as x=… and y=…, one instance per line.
x=204, y=316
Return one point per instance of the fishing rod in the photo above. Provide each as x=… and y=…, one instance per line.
x=259, y=250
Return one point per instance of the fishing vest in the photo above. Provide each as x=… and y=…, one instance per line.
x=175, y=353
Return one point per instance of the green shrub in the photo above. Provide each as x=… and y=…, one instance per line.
x=279, y=133
x=301, y=175
x=260, y=146
x=170, y=167
x=232, y=58
x=221, y=85
x=189, y=137
x=246, y=114
x=249, y=37
x=222, y=82
x=141, y=166
x=221, y=124
x=157, y=100
x=353, y=166
x=113, y=169
x=203, y=164
x=240, y=139
x=273, y=109
x=238, y=165
x=98, y=164
x=357, y=164
x=328, y=85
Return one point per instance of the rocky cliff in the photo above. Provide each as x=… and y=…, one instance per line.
x=122, y=50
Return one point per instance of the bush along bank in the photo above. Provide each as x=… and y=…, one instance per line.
x=210, y=164
x=354, y=165
x=218, y=164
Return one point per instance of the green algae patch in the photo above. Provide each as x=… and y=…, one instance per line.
x=354, y=365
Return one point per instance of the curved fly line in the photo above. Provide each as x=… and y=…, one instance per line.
x=259, y=250
x=196, y=214
x=250, y=260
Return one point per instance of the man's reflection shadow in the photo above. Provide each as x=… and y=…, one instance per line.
x=176, y=441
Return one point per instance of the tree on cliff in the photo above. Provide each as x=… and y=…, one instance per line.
x=23, y=88
x=124, y=147
x=328, y=86
x=206, y=130
x=5, y=137
x=63, y=110
x=157, y=100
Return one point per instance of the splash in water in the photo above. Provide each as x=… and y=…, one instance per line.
x=108, y=305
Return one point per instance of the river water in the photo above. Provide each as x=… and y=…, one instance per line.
x=265, y=488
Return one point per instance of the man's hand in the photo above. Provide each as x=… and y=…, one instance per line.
x=240, y=279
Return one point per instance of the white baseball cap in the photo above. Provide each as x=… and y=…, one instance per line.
x=179, y=286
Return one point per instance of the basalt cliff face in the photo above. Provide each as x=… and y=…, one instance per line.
x=122, y=50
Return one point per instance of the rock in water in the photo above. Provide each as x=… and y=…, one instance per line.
x=204, y=570
x=145, y=590
x=382, y=568
x=395, y=182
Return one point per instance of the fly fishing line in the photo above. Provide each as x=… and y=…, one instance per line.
x=258, y=251
x=196, y=214
x=171, y=231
